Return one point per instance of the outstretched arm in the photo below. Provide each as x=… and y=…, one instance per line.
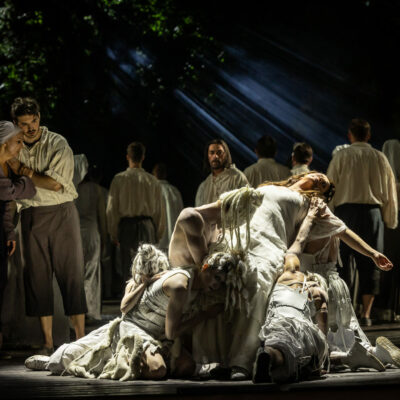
x=356, y=243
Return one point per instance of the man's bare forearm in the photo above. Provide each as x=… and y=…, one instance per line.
x=45, y=182
x=302, y=236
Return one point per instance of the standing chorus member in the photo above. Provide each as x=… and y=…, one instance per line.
x=49, y=223
x=365, y=199
x=135, y=208
x=266, y=168
x=91, y=207
x=173, y=204
x=224, y=175
x=302, y=156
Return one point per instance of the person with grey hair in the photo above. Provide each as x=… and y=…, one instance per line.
x=12, y=187
x=159, y=305
x=224, y=175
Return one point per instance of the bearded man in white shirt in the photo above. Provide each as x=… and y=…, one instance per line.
x=224, y=175
x=266, y=168
x=365, y=200
x=135, y=208
x=49, y=223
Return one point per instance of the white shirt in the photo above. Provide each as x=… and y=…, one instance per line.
x=363, y=175
x=213, y=186
x=173, y=207
x=299, y=169
x=266, y=169
x=133, y=193
x=51, y=156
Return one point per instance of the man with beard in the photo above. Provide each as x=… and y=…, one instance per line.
x=49, y=223
x=224, y=175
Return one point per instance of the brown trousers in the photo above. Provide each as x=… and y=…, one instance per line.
x=52, y=245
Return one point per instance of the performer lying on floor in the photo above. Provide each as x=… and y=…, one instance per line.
x=158, y=306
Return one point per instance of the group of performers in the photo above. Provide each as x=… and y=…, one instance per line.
x=249, y=290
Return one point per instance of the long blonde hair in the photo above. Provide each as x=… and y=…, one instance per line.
x=327, y=196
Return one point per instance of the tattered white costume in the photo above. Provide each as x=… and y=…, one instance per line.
x=272, y=228
x=113, y=351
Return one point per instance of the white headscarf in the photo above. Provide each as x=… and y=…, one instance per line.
x=391, y=149
x=81, y=167
x=7, y=131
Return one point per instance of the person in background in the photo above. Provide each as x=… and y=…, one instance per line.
x=365, y=199
x=12, y=187
x=135, y=208
x=173, y=203
x=224, y=175
x=266, y=168
x=49, y=223
x=302, y=156
x=92, y=214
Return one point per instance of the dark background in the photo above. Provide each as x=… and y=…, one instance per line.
x=175, y=74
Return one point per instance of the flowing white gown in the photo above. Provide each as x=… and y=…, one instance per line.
x=273, y=227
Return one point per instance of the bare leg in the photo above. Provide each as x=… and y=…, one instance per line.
x=367, y=300
x=153, y=366
x=78, y=322
x=46, y=323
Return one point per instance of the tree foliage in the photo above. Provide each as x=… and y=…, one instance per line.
x=71, y=55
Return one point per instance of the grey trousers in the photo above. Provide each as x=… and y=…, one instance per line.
x=53, y=245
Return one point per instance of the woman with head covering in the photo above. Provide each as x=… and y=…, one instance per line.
x=12, y=187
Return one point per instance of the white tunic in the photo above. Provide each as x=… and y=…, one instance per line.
x=50, y=156
x=213, y=186
x=266, y=169
x=299, y=169
x=173, y=206
x=134, y=192
x=363, y=175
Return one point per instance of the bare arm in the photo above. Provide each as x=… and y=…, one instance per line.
x=176, y=288
x=316, y=209
x=40, y=180
x=356, y=243
x=193, y=226
x=134, y=291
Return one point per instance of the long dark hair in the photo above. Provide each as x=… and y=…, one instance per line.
x=228, y=159
x=327, y=196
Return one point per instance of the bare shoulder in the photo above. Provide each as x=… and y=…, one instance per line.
x=176, y=282
x=190, y=218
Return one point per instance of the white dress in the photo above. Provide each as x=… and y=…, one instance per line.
x=273, y=228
